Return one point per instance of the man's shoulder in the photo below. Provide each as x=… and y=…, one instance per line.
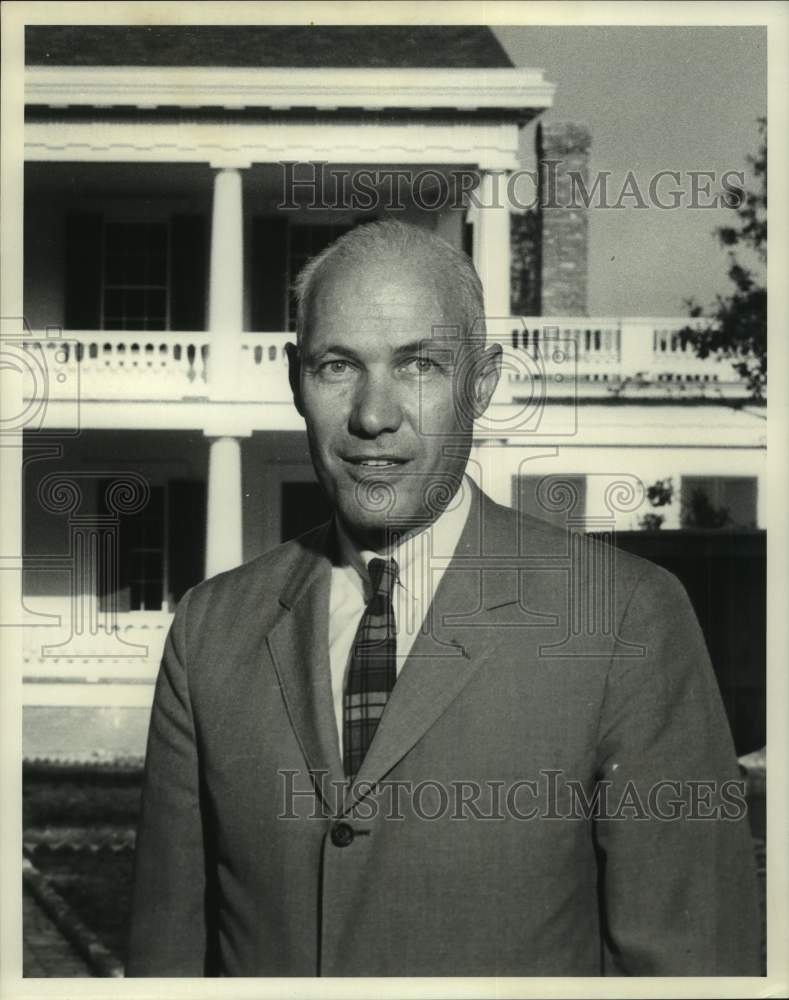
x=541, y=544
x=261, y=581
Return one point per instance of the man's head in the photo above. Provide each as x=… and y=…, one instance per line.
x=390, y=371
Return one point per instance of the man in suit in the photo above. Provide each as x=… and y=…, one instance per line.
x=401, y=744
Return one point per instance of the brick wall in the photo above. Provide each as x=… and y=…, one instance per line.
x=550, y=244
x=525, y=263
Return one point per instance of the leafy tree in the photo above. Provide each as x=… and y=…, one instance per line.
x=739, y=321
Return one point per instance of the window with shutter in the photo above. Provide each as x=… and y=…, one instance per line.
x=719, y=502
x=124, y=274
x=139, y=579
x=135, y=281
x=161, y=548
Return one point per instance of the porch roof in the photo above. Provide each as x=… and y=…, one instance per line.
x=281, y=70
x=297, y=46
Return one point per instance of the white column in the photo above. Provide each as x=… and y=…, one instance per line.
x=492, y=242
x=636, y=347
x=223, y=531
x=226, y=285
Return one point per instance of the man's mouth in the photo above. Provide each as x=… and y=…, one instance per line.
x=369, y=462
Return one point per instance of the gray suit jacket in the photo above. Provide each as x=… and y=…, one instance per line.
x=551, y=666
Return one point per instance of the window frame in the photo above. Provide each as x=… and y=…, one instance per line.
x=114, y=220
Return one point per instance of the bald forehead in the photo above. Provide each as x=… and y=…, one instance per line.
x=391, y=289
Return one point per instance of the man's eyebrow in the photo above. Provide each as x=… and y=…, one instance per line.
x=340, y=349
x=422, y=346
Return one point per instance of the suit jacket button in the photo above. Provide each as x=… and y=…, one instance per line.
x=342, y=834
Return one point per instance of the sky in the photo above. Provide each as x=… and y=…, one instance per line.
x=653, y=98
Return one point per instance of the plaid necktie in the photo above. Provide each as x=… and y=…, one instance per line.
x=372, y=672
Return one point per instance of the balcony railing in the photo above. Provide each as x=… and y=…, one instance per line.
x=126, y=650
x=586, y=355
x=620, y=355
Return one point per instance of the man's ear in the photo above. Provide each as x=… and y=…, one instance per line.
x=487, y=370
x=294, y=375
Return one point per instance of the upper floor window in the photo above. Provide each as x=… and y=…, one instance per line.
x=135, y=278
x=135, y=274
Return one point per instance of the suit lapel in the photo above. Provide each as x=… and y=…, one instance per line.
x=299, y=648
x=458, y=637
x=445, y=655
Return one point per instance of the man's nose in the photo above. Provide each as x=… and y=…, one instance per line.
x=376, y=408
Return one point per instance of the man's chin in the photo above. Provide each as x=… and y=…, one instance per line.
x=377, y=530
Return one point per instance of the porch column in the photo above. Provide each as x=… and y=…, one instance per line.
x=636, y=347
x=223, y=548
x=226, y=283
x=492, y=242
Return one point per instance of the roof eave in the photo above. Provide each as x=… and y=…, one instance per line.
x=517, y=92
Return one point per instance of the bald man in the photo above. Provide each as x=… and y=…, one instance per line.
x=374, y=750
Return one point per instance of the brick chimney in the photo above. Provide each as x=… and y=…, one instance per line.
x=550, y=243
x=562, y=148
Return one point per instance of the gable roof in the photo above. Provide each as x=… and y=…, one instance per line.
x=298, y=46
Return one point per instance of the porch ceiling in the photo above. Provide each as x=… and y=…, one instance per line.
x=263, y=182
x=118, y=180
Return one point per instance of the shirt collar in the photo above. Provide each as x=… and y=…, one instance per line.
x=439, y=539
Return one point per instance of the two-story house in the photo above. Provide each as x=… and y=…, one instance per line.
x=176, y=179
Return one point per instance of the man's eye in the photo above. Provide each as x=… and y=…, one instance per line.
x=419, y=365
x=335, y=368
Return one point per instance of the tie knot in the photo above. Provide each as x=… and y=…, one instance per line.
x=383, y=576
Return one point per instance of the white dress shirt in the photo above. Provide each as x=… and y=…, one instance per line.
x=422, y=560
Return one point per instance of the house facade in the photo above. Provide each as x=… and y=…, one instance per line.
x=175, y=182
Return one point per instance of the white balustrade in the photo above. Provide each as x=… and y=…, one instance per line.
x=142, y=633
x=674, y=359
x=591, y=353
x=263, y=374
x=158, y=365
x=613, y=353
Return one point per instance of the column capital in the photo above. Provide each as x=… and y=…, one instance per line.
x=219, y=426
x=230, y=161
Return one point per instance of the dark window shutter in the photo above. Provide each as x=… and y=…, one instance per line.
x=83, y=272
x=719, y=502
x=185, y=535
x=188, y=273
x=139, y=558
x=269, y=277
x=739, y=498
